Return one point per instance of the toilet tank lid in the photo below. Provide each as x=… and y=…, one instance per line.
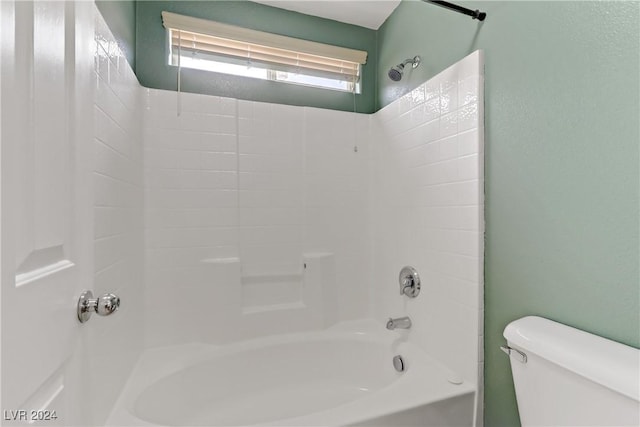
x=608, y=363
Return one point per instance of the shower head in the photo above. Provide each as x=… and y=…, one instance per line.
x=395, y=73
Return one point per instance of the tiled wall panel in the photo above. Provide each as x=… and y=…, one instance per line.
x=259, y=184
x=427, y=207
x=191, y=211
x=271, y=167
x=114, y=343
x=337, y=163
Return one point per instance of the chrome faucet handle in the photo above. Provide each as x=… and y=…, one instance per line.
x=104, y=305
x=405, y=286
x=409, y=282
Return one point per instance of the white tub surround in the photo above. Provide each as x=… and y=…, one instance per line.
x=281, y=219
x=264, y=219
x=260, y=210
x=340, y=376
x=427, y=212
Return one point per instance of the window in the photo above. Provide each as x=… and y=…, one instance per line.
x=208, y=45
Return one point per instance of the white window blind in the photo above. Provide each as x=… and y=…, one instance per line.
x=258, y=49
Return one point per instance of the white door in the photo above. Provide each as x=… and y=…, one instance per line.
x=46, y=211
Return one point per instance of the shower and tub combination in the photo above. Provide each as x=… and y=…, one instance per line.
x=319, y=267
x=333, y=261
x=346, y=374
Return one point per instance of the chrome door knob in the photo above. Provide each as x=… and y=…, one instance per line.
x=107, y=304
x=104, y=305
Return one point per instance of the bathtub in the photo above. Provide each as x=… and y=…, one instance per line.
x=340, y=376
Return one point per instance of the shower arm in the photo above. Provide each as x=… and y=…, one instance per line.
x=475, y=14
x=409, y=61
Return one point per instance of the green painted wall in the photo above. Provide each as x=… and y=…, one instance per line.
x=562, y=120
x=120, y=16
x=154, y=72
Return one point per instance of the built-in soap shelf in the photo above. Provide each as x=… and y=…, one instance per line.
x=273, y=307
x=229, y=260
x=270, y=278
x=270, y=293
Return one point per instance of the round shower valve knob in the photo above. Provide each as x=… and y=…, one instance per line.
x=104, y=305
x=409, y=282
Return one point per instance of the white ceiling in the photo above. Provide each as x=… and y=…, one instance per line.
x=365, y=13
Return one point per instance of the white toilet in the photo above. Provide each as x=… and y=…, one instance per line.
x=567, y=377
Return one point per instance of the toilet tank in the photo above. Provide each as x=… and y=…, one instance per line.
x=567, y=377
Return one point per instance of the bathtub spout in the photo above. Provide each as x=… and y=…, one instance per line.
x=399, y=323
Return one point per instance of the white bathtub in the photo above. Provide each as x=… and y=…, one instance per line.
x=341, y=376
